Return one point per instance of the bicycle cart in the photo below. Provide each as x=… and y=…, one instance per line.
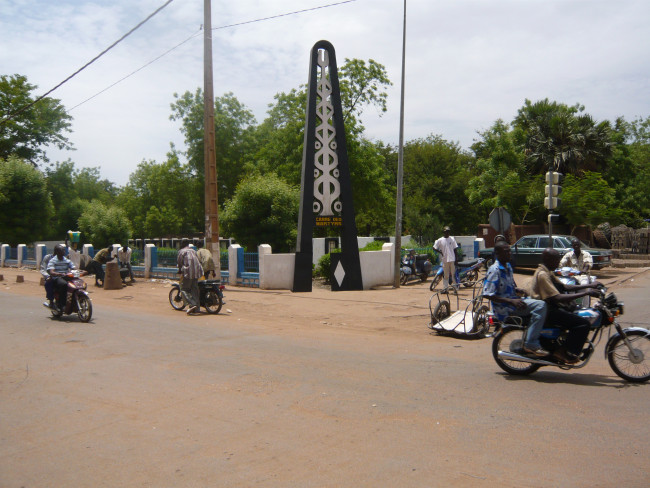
x=470, y=320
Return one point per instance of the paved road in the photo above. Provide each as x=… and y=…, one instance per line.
x=141, y=401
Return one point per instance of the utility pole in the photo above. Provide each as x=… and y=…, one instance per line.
x=400, y=167
x=209, y=150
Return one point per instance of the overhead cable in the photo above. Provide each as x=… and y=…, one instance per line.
x=22, y=109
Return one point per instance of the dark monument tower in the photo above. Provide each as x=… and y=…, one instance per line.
x=326, y=191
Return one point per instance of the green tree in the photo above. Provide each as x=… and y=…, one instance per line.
x=435, y=178
x=25, y=132
x=70, y=189
x=588, y=199
x=235, y=128
x=628, y=170
x=555, y=135
x=104, y=225
x=264, y=210
x=501, y=178
x=172, y=190
x=25, y=204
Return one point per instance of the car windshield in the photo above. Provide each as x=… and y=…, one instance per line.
x=566, y=242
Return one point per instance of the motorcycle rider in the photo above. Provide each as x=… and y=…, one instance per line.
x=558, y=296
x=49, y=283
x=500, y=288
x=58, y=267
x=578, y=259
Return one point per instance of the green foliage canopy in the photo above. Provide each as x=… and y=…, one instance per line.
x=264, y=210
x=24, y=131
x=25, y=204
x=104, y=225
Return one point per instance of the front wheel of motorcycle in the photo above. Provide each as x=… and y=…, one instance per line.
x=511, y=339
x=176, y=299
x=403, y=277
x=631, y=365
x=434, y=282
x=84, y=308
x=470, y=278
x=213, y=302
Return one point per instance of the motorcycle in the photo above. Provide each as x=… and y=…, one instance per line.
x=414, y=268
x=210, y=296
x=466, y=273
x=77, y=299
x=572, y=276
x=627, y=351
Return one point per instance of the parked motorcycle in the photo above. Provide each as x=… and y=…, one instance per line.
x=466, y=273
x=210, y=296
x=77, y=298
x=414, y=268
x=627, y=351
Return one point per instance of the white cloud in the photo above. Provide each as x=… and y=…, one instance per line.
x=469, y=62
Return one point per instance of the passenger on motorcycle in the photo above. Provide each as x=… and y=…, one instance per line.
x=57, y=268
x=559, y=297
x=500, y=288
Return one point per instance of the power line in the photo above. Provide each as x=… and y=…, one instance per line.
x=20, y=110
x=139, y=69
x=161, y=56
x=197, y=33
x=283, y=15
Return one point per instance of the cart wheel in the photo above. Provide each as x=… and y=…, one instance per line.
x=481, y=324
x=441, y=312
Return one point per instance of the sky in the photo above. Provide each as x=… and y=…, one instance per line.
x=468, y=63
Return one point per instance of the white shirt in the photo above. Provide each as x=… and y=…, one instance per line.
x=447, y=247
x=584, y=262
x=124, y=257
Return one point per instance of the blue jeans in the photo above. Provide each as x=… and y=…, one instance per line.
x=537, y=311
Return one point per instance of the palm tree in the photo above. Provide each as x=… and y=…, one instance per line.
x=556, y=136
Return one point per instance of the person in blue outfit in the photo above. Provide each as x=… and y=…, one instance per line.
x=57, y=268
x=501, y=290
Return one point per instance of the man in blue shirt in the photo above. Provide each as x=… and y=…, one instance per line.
x=501, y=290
x=58, y=267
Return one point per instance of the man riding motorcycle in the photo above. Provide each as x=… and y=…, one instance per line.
x=57, y=268
x=559, y=297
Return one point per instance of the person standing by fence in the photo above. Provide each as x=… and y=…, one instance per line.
x=190, y=267
x=446, y=246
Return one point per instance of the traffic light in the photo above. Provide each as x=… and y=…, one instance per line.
x=553, y=189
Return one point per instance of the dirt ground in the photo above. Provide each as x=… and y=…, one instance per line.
x=404, y=310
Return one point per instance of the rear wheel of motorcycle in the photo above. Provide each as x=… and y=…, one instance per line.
x=511, y=339
x=440, y=312
x=213, y=302
x=176, y=299
x=434, y=282
x=423, y=277
x=631, y=365
x=84, y=308
x=470, y=278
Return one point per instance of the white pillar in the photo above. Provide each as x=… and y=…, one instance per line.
x=263, y=250
x=20, y=253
